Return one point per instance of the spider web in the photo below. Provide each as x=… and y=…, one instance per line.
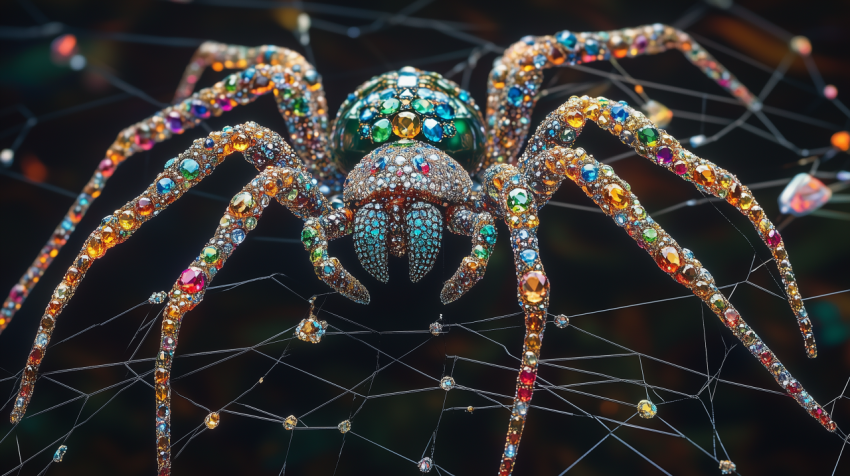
x=380, y=368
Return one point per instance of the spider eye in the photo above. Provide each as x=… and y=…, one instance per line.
x=408, y=104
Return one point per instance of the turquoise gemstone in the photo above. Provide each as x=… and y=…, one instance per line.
x=529, y=257
x=515, y=96
x=445, y=111
x=589, y=172
x=189, y=169
x=567, y=39
x=488, y=232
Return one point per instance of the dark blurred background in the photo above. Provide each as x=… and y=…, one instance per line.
x=592, y=264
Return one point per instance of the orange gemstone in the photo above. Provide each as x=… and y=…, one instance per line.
x=47, y=323
x=127, y=220
x=532, y=342
x=616, y=196
x=272, y=186
x=592, y=112
x=160, y=375
x=534, y=323
x=556, y=56
x=109, y=236
x=734, y=196
x=668, y=259
x=704, y=175
x=173, y=311
x=407, y=125
x=144, y=206
x=841, y=140
x=53, y=307
x=240, y=142
x=534, y=287
x=242, y=204
x=95, y=247
x=168, y=326
x=161, y=393
x=162, y=443
x=72, y=276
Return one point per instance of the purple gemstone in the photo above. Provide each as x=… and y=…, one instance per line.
x=664, y=155
x=640, y=43
x=224, y=103
x=174, y=122
x=17, y=294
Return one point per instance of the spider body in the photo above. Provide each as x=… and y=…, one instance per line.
x=410, y=143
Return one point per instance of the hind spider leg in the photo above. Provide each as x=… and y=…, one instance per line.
x=315, y=236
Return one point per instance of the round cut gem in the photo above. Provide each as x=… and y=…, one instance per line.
x=648, y=136
x=381, y=130
x=488, y=232
x=668, y=259
x=189, y=169
x=527, y=376
x=650, y=235
x=773, y=238
x=616, y=196
x=589, y=172
x=242, y=203
x=646, y=409
x=192, y=280
x=425, y=465
x=210, y=254
x=212, y=420
x=406, y=125
x=619, y=112
x=704, y=175
x=529, y=257
x=447, y=383
x=515, y=96
x=664, y=155
x=164, y=185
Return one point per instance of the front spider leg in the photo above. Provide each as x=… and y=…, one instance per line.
x=180, y=175
x=293, y=189
x=479, y=226
x=517, y=206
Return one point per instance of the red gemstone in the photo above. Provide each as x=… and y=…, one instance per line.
x=766, y=357
x=26, y=389
x=192, y=280
x=35, y=356
x=526, y=377
x=794, y=387
x=524, y=394
x=508, y=465
x=732, y=317
x=773, y=238
x=513, y=438
x=680, y=168
x=17, y=294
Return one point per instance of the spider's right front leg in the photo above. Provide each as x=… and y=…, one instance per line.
x=479, y=226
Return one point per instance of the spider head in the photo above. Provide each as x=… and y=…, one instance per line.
x=408, y=104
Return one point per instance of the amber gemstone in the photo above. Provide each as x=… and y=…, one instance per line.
x=30, y=373
x=53, y=307
x=687, y=274
x=534, y=323
x=160, y=375
x=95, y=247
x=780, y=253
x=556, y=56
x=272, y=186
x=212, y=420
x=47, y=323
x=109, y=236
x=734, y=196
x=532, y=342
x=161, y=393
x=144, y=206
x=746, y=201
x=668, y=259
x=162, y=443
x=592, y=112
x=127, y=220
x=575, y=119
x=704, y=175
x=407, y=125
x=242, y=203
x=72, y=276
x=534, y=287
x=616, y=196
x=173, y=311
x=240, y=142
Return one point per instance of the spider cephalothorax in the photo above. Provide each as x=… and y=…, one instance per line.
x=409, y=141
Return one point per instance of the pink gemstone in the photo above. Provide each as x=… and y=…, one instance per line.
x=524, y=394
x=680, y=168
x=106, y=167
x=732, y=317
x=168, y=344
x=224, y=103
x=17, y=294
x=192, y=280
x=803, y=195
x=773, y=238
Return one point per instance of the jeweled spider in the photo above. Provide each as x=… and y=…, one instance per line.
x=409, y=144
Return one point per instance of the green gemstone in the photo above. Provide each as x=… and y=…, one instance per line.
x=292, y=194
x=518, y=200
x=300, y=107
x=648, y=136
x=489, y=234
x=189, y=169
x=316, y=255
x=718, y=301
x=231, y=83
x=308, y=236
x=210, y=254
x=381, y=130
x=567, y=135
x=250, y=223
x=390, y=106
x=422, y=106
x=638, y=212
x=480, y=252
x=650, y=235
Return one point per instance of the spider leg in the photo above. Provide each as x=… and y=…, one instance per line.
x=516, y=204
x=514, y=82
x=633, y=128
x=292, y=189
x=298, y=91
x=315, y=236
x=479, y=226
x=181, y=175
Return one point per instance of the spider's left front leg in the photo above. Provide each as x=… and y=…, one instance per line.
x=517, y=206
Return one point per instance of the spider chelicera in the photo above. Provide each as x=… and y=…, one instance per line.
x=408, y=145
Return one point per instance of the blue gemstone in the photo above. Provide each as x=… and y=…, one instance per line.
x=567, y=39
x=688, y=253
x=421, y=165
x=515, y=96
x=425, y=93
x=351, y=97
x=589, y=172
x=463, y=96
x=444, y=111
x=539, y=61
x=238, y=235
x=170, y=163
x=165, y=186
x=591, y=47
x=432, y=129
x=162, y=428
x=209, y=144
x=199, y=109
x=528, y=257
x=367, y=114
x=510, y=451
x=248, y=73
x=41, y=340
x=523, y=234
x=67, y=225
x=381, y=163
x=620, y=219
x=619, y=113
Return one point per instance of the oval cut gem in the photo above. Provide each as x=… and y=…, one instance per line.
x=648, y=136
x=164, y=185
x=192, y=280
x=432, y=129
x=534, y=286
x=381, y=130
x=668, y=259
